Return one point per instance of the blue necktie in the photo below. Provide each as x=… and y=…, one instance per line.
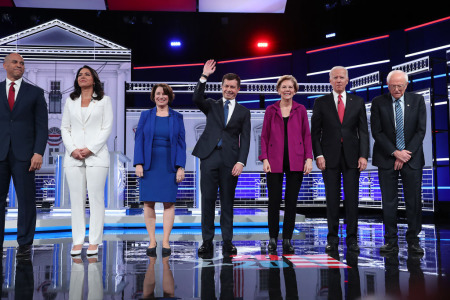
x=225, y=118
x=399, y=131
x=225, y=113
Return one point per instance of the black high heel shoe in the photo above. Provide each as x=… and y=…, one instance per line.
x=152, y=251
x=287, y=247
x=272, y=246
x=166, y=252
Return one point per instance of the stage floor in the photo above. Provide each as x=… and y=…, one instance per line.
x=123, y=271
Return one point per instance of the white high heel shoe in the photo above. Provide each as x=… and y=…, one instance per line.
x=92, y=252
x=75, y=252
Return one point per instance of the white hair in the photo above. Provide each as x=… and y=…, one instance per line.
x=397, y=72
x=339, y=67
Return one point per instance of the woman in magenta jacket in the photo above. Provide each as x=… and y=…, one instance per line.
x=285, y=149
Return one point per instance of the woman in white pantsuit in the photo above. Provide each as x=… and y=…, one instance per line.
x=85, y=128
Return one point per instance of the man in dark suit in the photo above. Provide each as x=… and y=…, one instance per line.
x=223, y=149
x=340, y=140
x=23, y=136
x=398, y=122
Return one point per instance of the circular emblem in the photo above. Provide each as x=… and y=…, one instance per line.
x=54, y=136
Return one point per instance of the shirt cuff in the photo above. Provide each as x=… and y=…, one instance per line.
x=241, y=163
x=319, y=156
x=202, y=79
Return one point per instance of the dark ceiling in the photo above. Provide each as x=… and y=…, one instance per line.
x=225, y=35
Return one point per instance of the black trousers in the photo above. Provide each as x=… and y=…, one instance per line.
x=215, y=174
x=332, y=180
x=412, y=191
x=24, y=183
x=275, y=190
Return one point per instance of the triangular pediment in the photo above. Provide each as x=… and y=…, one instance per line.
x=57, y=34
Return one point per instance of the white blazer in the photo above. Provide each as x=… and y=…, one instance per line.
x=93, y=133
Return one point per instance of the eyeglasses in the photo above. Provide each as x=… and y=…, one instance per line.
x=397, y=86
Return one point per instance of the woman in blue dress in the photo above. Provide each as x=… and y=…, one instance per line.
x=159, y=158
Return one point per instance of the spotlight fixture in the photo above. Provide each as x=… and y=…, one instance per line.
x=175, y=44
x=263, y=44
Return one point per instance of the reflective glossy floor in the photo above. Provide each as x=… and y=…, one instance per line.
x=123, y=271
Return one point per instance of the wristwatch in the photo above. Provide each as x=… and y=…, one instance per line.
x=204, y=75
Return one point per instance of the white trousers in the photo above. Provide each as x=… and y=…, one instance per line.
x=95, y=282
x=94, y=179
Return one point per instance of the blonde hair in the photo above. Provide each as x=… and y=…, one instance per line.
x=287, y=77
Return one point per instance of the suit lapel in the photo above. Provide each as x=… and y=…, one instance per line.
x=77, y=110
x=348, y=107
x=407, y=111
x=219, y=110
x=333, y=108
x=235, y=112
x=89, y=109
x=3, y=97
x=22, y=91
x=390, y=109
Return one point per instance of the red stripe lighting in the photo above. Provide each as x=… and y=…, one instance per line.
x=153, y=5
x=253, y=58
x=349, y=44
x=426, y=24
x=219, y=62
x=167, y=66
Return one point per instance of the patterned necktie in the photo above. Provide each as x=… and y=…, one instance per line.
x=341, y=108
x=225, y=118
x=399, y=131
x=11, y=95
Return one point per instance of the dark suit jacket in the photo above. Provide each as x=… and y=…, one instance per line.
x=26, y=126
x=235, y=136
x=383, y=130
x=144, y=139
x=327, y=130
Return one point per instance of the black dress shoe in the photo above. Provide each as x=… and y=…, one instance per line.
x=353, y=247
x=23, y=251
x=331, y=247
x=287, y=247
x=152, y=251
x=415, y=248
x=166, y=252
x=206, y=248
x=389, y=247
x=228, y=248
x=272, y=246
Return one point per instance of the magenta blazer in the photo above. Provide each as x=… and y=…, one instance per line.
x=299, y=137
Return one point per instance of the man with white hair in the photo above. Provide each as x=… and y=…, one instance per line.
x=340, y=140
x=398, y=122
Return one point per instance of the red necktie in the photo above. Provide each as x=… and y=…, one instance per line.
x=11, y=95
x=341, y=108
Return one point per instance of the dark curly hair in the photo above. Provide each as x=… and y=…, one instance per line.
x=98, y=88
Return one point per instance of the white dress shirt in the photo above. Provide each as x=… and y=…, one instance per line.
x=17, y=84
x=336, y=98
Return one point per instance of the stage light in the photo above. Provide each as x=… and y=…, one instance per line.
x=263, y=44
x=175, y=44
x=330, y=35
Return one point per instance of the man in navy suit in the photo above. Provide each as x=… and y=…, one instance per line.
x=223, y=149
x=340, y=140
x=399, y=122
x=23, y=136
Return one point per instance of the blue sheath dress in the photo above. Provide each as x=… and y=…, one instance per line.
x=159, y=183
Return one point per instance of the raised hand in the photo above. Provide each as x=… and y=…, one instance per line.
x=209, y=67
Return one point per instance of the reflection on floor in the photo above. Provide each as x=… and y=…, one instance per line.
x=123, y=271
